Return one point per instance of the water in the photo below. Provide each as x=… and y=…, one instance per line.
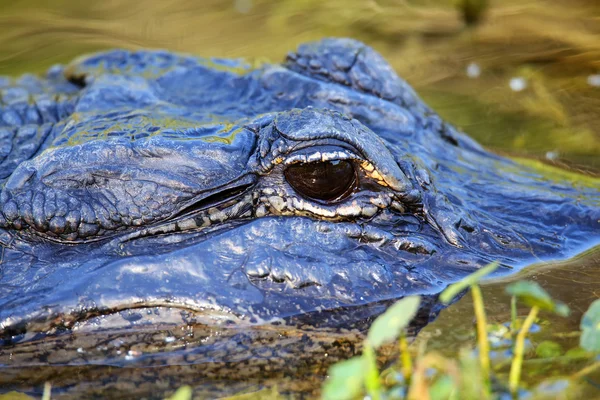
x=523, y=82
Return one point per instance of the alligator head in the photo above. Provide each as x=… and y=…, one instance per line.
x=143, y=179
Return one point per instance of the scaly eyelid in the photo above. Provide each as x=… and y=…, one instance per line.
x=320, y=156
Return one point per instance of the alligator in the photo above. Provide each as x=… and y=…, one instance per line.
x=249, y=194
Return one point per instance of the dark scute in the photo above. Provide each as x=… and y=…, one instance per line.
x=77, y=80
x=328, y=181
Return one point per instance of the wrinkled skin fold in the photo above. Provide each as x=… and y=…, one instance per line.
x=142, y=179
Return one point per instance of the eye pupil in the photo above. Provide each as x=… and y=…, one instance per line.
x=328, y=180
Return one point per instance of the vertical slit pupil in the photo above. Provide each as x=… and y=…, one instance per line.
x=327, y=180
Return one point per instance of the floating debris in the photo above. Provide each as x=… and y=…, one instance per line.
x=473, y=70
x=594, y=80
x=552, y=155
x=517, y=84
x=242, y=6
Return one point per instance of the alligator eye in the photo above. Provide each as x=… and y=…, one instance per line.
x=328, y=181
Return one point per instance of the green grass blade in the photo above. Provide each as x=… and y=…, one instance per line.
x=372, y=379
x=453, y=290
x=482, y=340
x=517, y=363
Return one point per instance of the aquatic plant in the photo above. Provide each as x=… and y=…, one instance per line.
x=470, y=375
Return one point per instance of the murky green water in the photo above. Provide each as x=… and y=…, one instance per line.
x=525, y=81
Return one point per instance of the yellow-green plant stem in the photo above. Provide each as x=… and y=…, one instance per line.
x=587, y=370
x=482, y=338
x=372, y=379
x=47, y=391
x=515, y=368
x=513, y=314
x=406, y=360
